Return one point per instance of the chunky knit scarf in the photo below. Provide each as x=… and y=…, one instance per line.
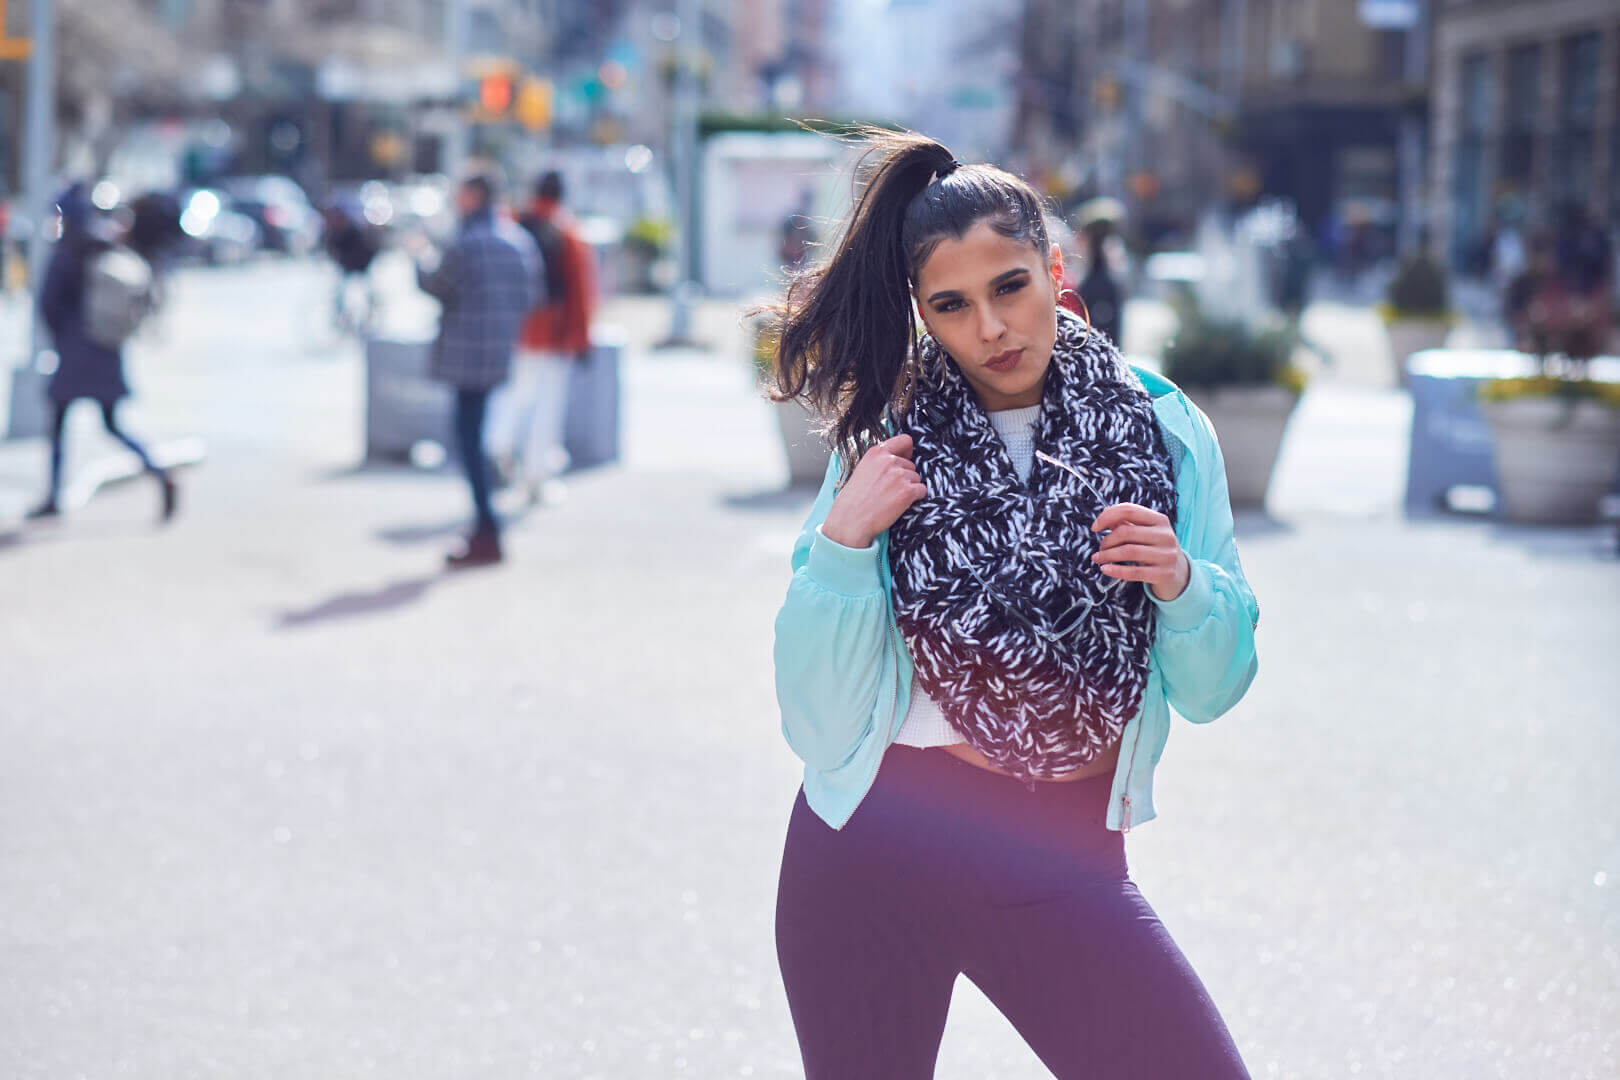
x=1032, y=653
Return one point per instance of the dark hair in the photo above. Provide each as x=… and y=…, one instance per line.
x=486, y=184
x=549, y=186
x=846, y=327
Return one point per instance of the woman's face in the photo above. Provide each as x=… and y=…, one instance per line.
x=991, y=302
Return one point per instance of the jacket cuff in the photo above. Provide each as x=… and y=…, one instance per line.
x=1189, y=610
x=840, y=569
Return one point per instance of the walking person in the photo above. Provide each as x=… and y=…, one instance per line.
x=88, y=315
x=526, y=434
x=487, y=281
x=1021, y=558
x=1099, y=291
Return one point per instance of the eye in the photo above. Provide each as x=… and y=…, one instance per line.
x=945, y=307
x=1012, y=286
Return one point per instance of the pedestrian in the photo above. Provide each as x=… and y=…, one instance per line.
x=1020, y=559
x=1104, y=300
x=90, y=362
x=1585, y=261
x=353, y=244
x=526, y=431
x=486, y=281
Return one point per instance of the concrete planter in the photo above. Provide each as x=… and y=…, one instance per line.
x=1555, y=459
x=1249, y=421
x=802, y=441
x=1408, y=336
x=29, y=416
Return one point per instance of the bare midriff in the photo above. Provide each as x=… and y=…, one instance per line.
x=1104, y=763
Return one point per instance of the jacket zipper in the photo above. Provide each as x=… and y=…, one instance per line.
x=1125, y=798
x=1130, y=762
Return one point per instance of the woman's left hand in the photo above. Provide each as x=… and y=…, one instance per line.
x=1145, y=537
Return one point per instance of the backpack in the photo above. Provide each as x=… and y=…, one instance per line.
x=549, y=239
x=117, y=296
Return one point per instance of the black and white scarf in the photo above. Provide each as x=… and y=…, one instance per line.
x=1032, y=653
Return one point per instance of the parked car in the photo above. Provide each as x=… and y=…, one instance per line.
x=213, y=232
x=286, y=220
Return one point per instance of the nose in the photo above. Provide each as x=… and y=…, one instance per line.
x=990, y=325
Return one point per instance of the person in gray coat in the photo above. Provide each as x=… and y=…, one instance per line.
x=487, y=281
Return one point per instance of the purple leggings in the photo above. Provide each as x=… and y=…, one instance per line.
x=949, y=869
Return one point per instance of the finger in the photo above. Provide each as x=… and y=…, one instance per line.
x=1137, y=553
x=1122, y=513
x=900, y=445
x=1154, y=535
x=1154, y=575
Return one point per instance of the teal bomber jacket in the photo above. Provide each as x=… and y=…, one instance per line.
x=843, y=673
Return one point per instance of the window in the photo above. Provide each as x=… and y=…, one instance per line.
x=1574, y=147
x=1468, y=190
x=1522, y=109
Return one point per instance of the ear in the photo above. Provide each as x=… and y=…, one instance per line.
x=922, y=315
x=1054, y=266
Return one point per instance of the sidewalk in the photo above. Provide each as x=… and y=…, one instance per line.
x=1345, y=451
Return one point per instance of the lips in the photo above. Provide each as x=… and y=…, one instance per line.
x=1004, y=361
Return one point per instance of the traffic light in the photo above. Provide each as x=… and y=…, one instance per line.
x=534, y=104
x=495, y=93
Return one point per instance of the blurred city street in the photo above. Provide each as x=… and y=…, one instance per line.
x=330, y=769
x=279, y=798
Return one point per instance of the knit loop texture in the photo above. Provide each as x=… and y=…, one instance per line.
x=1032, y=653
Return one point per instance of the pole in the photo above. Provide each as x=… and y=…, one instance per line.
x=38, y=147
x=455, y=144
x=1136, y=49
x=1411, y=136
x=683, y=144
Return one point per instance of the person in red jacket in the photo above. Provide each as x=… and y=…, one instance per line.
x=527, y=438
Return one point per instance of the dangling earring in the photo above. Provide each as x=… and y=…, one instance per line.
x=1085, y=312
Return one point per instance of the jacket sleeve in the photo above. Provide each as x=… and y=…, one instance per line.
x=835, y=670
x=440, y=282
x=1205, y=637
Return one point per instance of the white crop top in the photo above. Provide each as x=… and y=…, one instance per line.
x=925, y=725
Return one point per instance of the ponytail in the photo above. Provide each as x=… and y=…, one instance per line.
x=846, y=328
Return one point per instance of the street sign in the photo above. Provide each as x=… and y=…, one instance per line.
x=11, y=48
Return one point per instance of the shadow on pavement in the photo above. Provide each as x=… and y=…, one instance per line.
x=344, y=605
x=1257, y=524
x=406, y=535
x=14, y=538
x=1585, y=543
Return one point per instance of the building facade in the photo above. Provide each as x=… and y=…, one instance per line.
x=1526, y=118
x=1175, y=105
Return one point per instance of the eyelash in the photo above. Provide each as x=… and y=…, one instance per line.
x=1010, y=287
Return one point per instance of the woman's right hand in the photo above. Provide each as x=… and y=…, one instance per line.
x=882, y=487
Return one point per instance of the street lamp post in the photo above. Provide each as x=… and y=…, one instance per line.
x=38, y=143
x=683, y=143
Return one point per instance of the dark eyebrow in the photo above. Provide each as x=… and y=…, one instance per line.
x=999, y=279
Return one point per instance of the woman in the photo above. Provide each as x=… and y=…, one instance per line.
x=1021, y=556
x=85, y=368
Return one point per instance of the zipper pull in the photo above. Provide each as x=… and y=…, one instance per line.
x=1125, y=817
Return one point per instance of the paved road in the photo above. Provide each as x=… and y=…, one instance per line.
x=279, y=799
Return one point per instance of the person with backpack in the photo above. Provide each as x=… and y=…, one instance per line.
x=527, y=439
x=95, y=295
